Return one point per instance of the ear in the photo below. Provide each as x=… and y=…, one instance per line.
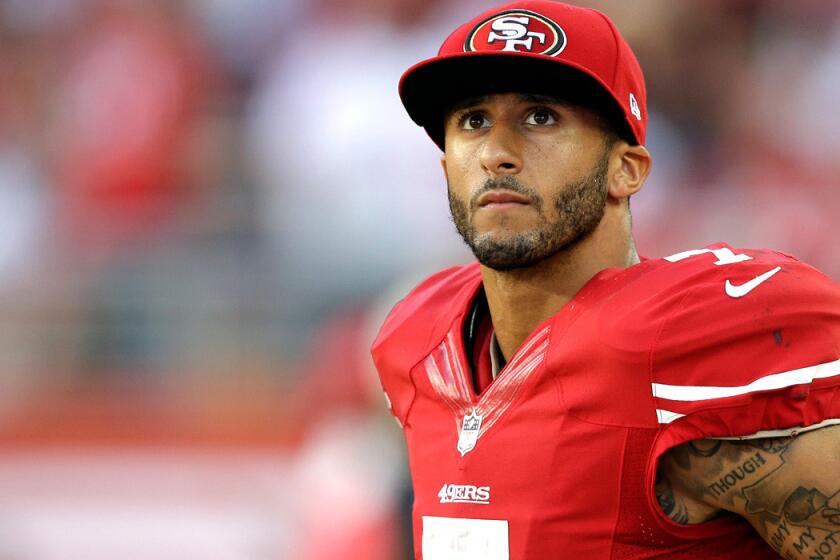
x=634, y=164
x=443, y=166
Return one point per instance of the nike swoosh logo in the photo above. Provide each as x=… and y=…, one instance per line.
x=741, y=290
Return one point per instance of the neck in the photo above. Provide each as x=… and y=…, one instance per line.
x=519, y=300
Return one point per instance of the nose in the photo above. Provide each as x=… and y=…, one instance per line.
x=500, y=154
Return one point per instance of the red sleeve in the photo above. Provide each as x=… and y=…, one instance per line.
x=749, y=351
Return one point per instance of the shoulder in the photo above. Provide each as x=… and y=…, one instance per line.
x=437, y=299
x=712, y=316
x=752, y=328
x=417, y=324
x=744, y=309
x=727, y=274
x=690, y=293
x=419, y=321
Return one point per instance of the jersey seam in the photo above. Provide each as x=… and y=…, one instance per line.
x=621, y=495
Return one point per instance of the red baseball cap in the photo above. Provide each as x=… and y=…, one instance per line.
x=532, y=46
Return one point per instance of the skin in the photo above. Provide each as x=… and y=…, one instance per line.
x=788, y=488
x=540, y=150
x=544, y=155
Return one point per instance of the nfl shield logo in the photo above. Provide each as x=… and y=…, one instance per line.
x=469, y=432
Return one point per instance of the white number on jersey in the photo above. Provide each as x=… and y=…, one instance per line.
x=452, y=538
x=726, y=256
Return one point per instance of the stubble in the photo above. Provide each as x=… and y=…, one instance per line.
x=579, y=208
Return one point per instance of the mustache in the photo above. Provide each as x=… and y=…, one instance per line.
x=506, y=183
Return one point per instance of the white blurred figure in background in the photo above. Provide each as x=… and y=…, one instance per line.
x=343, y=207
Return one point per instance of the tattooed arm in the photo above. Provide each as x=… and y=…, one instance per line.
x=787, y=488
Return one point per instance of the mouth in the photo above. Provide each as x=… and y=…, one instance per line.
x=502, y=199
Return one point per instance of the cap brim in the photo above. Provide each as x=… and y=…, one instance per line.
x=431, y=87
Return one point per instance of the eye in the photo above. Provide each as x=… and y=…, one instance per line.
x=473, y=121
x=541, y=117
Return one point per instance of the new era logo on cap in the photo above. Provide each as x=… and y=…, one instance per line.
x=634, y=107
x=517, y=31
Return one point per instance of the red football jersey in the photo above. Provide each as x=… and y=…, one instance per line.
x=557, y=456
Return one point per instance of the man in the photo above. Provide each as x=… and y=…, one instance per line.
x=565, y=398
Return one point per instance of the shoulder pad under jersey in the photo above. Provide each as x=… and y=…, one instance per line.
x=750, y=345
x=416, y=325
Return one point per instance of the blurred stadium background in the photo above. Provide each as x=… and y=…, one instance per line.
x=207, y=206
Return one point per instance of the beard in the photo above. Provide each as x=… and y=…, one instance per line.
x=579, y=207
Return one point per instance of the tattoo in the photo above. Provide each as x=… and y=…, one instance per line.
x=802, y=504
x=780, y=533
x=673, y=505
x=733, y=466
x=705, y=448
x=807, y=525
x=831, y=515
x=787, y=488
x=736, y=475
x=775, y=446
x=770, y=482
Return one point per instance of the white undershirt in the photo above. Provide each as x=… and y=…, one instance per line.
x=497, y=359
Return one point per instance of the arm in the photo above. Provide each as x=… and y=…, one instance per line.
x=787, y=488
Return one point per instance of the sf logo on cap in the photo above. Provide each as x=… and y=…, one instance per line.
x=517, y=31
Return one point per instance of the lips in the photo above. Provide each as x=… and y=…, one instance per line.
x=501, y=197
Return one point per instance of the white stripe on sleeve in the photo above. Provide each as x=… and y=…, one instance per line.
x=768, y=382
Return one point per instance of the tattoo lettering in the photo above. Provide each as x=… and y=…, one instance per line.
x=832, y=515
x=736, y=475
x=807, y=518
x=802, y=544
x=808, y=526
x=827, y=549
x=787, y=488
x=778, y=537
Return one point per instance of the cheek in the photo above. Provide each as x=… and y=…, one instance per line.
x=461, y=161
x=460, y=173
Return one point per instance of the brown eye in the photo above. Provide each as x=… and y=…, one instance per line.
x=541, y=117
x=474, y=121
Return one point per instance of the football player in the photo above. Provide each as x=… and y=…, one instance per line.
x=564, y=397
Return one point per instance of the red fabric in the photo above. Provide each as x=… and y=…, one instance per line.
x=552, y=32
x=568, y=448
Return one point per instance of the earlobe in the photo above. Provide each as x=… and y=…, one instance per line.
x=634, y=167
